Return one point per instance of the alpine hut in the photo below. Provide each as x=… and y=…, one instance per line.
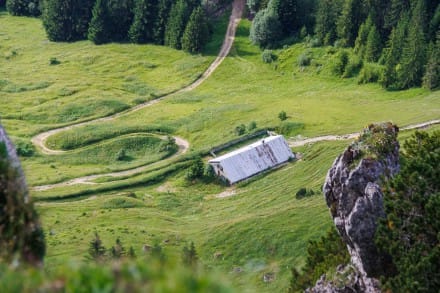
x=252, y=159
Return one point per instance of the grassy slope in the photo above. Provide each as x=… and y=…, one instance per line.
x=261, y=229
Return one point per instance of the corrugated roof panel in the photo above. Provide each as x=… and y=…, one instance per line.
x=255, y=158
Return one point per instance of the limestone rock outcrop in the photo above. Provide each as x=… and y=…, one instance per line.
x=353, y=194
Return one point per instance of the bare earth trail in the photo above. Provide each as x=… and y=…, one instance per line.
x=301, y=142
x=40, y=139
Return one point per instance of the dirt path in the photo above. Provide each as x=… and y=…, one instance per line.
x=301, y=142
x=40, y=140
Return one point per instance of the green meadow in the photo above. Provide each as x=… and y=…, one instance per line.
x=255, y=228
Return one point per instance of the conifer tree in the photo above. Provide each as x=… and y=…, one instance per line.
x=374, y=46
x=413, y=57
x=393, y=54
x=163, y=11
x=96, y=248
x=23, y=7
x=189, y=255
x=349, y=21
x=117, y=251
x=326, y=16
x=431, y=79
x=57, y=20
x=196, y=32
x=362, y=38
x=141, y=31
x=97, y=28
x=287, y=14
x=176, y=24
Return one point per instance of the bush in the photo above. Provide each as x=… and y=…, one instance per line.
x=25, y=149
x=304, y=192
x=370, y=73
x=339, y=62
x=121, y=155
x=266, y=29
x=54, y=61
x=353, y=67
x=282, y=115
x=304, y=59
x=195, y=170
x=288, y=128
x=252, y=126
x=268, y=56
x=240, y=129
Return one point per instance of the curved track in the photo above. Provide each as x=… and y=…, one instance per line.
x=40, y=140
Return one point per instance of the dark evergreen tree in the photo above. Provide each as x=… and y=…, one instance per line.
x=189, y=255
x=396, y=11
x=163, y=10
x=67, y=20
x=2, y=3
x=374, y=46
x=117, y=251
x=431, y=79
x=326, y=16
x=393, y=54
x=142, y=29
x=362, y=38
x=176, y=24
x=120, y=18
x=287, y=15
x=265, y=29
x=348, y=23
x=413, y=58
x=96, y=248
x=410, y=232
x=23, y=7
x=196, y=32
x=97, y=28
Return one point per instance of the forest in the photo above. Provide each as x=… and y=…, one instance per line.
x=395, y=42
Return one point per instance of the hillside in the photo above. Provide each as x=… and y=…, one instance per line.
x=253, y=229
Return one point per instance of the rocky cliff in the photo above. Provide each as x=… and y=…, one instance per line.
x=353, y=194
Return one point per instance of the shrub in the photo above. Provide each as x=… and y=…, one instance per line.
x=240, y=129
x=353, y=67
x=195, y=170
x=54, y=61
x=25, y=149
x=121, y=155
x=339, y=62
x=268, y=56
x=304, y=192
x=282, y=115
x=304, y=59
x=252, y=126
x=370, y=73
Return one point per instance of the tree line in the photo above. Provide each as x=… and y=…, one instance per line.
x=401, y=35
x=180, y=24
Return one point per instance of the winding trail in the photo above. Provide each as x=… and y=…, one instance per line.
x=237, y=10
x=301, y=142
x=40, y=140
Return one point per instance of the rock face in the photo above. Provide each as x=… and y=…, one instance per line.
x=353, y=194
x=21, y=235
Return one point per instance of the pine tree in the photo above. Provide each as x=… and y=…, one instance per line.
x=57, y=20
x=117, y=251
x=431, y=79
x=163, y=10
x=176, y=24
x=120, y=18
x=362, y=38
x=96, y=249
x=189, y=255
x=393, y=54
x=326, y=16
x=196, y=32
x=414, y=51
x=374, y=46
x=23, y=7
x=97, y=28
x=349, y=21
x=287, y=14
x=397, y=10
x=141, y=31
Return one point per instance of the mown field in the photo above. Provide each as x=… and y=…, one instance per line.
x=262, y=228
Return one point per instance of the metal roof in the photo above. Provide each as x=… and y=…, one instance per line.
x=254, y=158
